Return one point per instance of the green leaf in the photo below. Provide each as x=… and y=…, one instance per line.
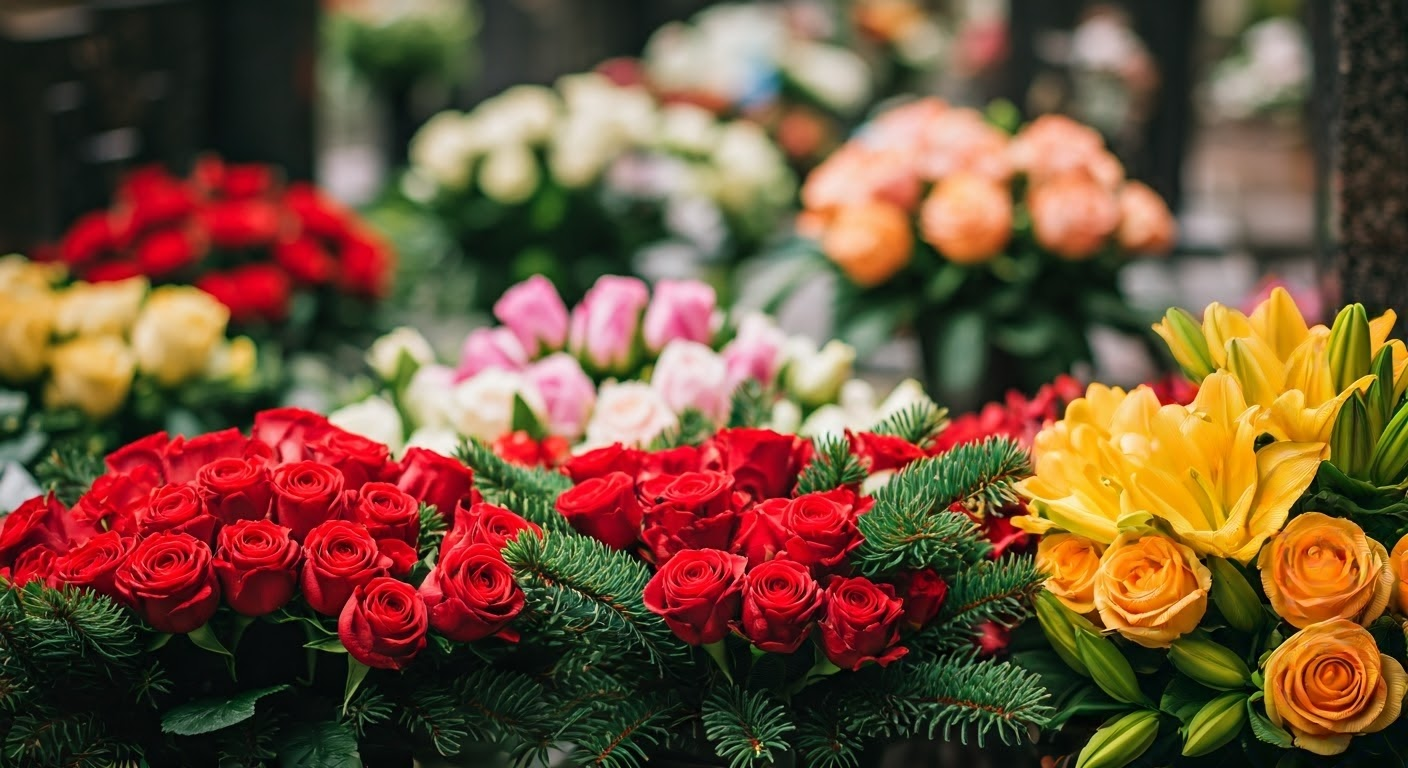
x=525, y=420
x=356, y=673
x=871, y=327
x=1264, y=729
x=1183, y=698
x=945, y=283
x=210, y=715
x=324, y=744
x=205, y=639
x=327, y=644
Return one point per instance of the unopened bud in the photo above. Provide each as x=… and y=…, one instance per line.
x=1216, y=724
x=1120, y=742
x=1208, y=663
x=1234, y=596
x=1109, y=668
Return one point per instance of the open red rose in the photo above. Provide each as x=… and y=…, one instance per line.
x=822, y=529
x=367, y=263
x=484, y=523
x=603, y=461
x=34, y=565
x=180, y=459
x=169, y=580
x=306, y=260
x=471, y=594
x=923, y=592
x=880, y=453
x=760, y=535
x=257, y=563
x=604, y=508
x=41, y=523
x=384, y=623
x=671, y=461
x=306, y=494
x=176, y=508
x=288, y=431
x=92, y=564
x=698, y=593
x=780, y=600
x=89, y=236
x=240, y=224
x=388, y=513
x=235, y=489
x=115, y=498
x=437, y=480
x=317, y=214
x=338, y=557
x=162, y=253
x=358, y=459
x=695, y=510
x=704, y=493
x=252, y=292
x=861, y=623
x=764, y=464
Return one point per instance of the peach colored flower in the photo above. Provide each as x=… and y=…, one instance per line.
x=1151, y=589
x=1399, y=561
x=1073, y=216
x=968, y=218
x=960, y=140
x=1146, y=225
x=1054, y=145
x=869, y=242
x=904, y=127
x=1320, y=568
x=857, y=174
x=1070, y=562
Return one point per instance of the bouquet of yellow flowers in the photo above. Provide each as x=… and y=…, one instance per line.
x=1227, y=578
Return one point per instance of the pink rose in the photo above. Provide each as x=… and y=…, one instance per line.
x=534, y=312
x=487, y=348
x=681, y=309
x=567, y=392
x=606, y=323
x=690, y=375
x=755, y=352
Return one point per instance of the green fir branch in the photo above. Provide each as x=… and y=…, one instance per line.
x=978, y=699
x=747, y=729
x=530, y=492
x=510, y=710
x=823, y=740
x=693, y=428
x=919, y=423
x=833, y=466
x=624, y=735
x=751, y=405
x=367, y=708
x=68, y=471
x=999, y=591
x=437, y=718
x=433, y=527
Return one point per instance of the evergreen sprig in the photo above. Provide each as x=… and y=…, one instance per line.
x=692, y=428
x=919, y=423
x=746, y=728
x=750, y=405
x=999, y=591
x=824, y=741
x=437, y=717
x=833, y=466
x=960, y=692
x=625, y=734
x=68, y=471
x=529, y=492
x=510, y=710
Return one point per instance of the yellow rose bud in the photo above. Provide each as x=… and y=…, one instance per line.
x=1398, y=561
x=90, y=373
x=1328, y=683
x=1151, y=589
x=176, y=333
x=1321, y=568
x=26, y=324
x=100, y=309
x=20, y=276
x=1070, y=563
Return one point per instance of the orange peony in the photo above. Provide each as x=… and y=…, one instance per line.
x=1399, y=562
x=1070, y=562
x=968, y=218
x=1321, y=568
x=869, y=242
x=1328, y=683
x=1151, y=589
x=1073, y=215
x=1146, y=225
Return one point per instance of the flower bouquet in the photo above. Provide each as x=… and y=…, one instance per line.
x=395, y=46
x=1001, y=251
x=286, y=260
x=1225, y=578
x=591, y=178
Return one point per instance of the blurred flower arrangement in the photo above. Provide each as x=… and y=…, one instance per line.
x=1269, y=73
x=1225, y=578
x=397, y=44
x=286, y=260
x=591, y=178
x=625, y=365
x=85, y=365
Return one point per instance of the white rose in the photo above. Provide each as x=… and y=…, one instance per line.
x=826, y=420
x=374, y=418
x=786, y=417
x=482, y=405
x=688, y=128
x=691, y=375
x=905, y=394
x=631, y=413
x=815, y=377
x=429, y=396
x=857, y=399
x=581, y=148
x=443, y=150
x=531, y=109
x=509, y=174
x=441, y=440
x=838, y=78
x=386, y=353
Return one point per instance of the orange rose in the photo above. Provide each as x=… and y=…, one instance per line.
x=857, y=174
x=1328, y=683
x=1146, y=225
x=1070, y=563
x=961, y=141
x=869, y=242
x=1399, y=561
x=968, y=218
x=1055, y=145
x=1151, y=589
x=1073, y=215
x=1320, y=568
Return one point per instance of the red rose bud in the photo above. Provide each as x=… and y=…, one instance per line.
x=237, y=224
x=162, y=253
x=603, y=461
x=318, y=215
x=88, y=238
x=861, y=623
x=471, y=594
x=383, y=625
x=698, y=593
x=880, y=453
x=694, y=510
x=306, y=494
x=604, y=508
x=485, y=523
x=169, y=580
x=257, y=563
x=763, y=463
x=367, y=263
x=992, y=638
x=437, y=480
x=822, y=529
x=246, y=180
x=339, y=557
x=305, y=260
x=252, y=292
x=235, y=489
x=760, y=535
x=388, y=513
x=176, y=508
x=359, y=459
x=780, y=599
x=924, y=592
x=92, y=564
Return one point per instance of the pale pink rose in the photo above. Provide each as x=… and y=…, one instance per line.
x=690, y=375
x=680, y=309
x=534, y=311
x=1053, y=145
x=568, y=394
x=1146, y=225
x=631, y=413
x=961, y=141
x=905, y=127
x=487, y=348
x=605, y=325
x=755, y=351
x=1073, y=215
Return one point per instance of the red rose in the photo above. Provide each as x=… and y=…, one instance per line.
x=698, y=593
x=437, y=480
x=366, y=265
x=252, y=292
x=115, y=498
x=41, y=523
x=86, y=239
x=257, y=563
x=92, y=564
x=384, y=624
x=880, y=453
x=924, y=592
x=764, y=464
x=861, y=623
x=695, y=510
x=388, y=513
x=992, y=638
x=471, y=594
x=761, y=535
x=672, y=461
x=184, y=458
x=239, y=224
x=148, y=452
x=245, y=180
x=169, y=580
x=339, y=557
x=995, y=524
x=780, y=598
x=289, y=431
x=316, y=213
x=603, y=461
x=34, y=565
x=485, y=523
x=235, y=489
x=359, y=459
x=821, y=529
x=305, y=260
x=162, y=253
x=704, y=493
x=176, y=508
x=306, y=494
x=520, y=448
x=604, y=508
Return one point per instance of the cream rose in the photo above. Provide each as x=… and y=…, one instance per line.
x=176, y=333
x=385, y=355
x=374, y=418
x=1151, y=589
x=90, y=373
x=1320, y=568
x=100, y=309
x=429, y=398
x=632, y=413
x=482, y=405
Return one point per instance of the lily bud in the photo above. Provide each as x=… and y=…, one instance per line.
x=1391, y=452
x=1206, y=662
x=1349, y=346
x=1109, y=668
x=1351, y=439
x=1056, y=623
x=1216, y=724
x=1251, y=372
x=1120, y=742
x=1234, y=596
x=1186, y=341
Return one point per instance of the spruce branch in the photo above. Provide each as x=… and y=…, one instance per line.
x=510, y=710
x=999, y=591
x=919, y=423
x=693, y=428
x=433, y=526
x=746, y=728
x=823, y=740
x=623, y=735
x=366, y=709
x=68, y=471
x=960, y=692
x=750, y=405
x=833, y=466
x=435, y=717
x=529, y=492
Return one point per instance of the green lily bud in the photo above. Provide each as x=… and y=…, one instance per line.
x=1349, y=346
x=1057, y=624
x=1381, y=395
x=1186, y=341
x=1352, y=439
x=1391, y=452
x=1121, y=742
x=1250, y=372
x=1217, y=723
x=1206, y=662
x=1234, y=596
x=1109, y=668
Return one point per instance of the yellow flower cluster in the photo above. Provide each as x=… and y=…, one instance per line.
x=85, y=343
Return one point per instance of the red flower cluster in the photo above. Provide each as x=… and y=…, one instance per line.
x=236, y=231
x=299, y=508
x=737, y=550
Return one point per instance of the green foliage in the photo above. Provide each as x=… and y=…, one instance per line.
x=529, y=492
x=436, y=717
x=751, y=405
x=693, y=428
x=824, y=741
x=832, y=466
x=625, y=735
x=213, y=714
x=510, y=710
x=746, y=728
x=433, y=527
x=919, y=424
x=323, y=744
x=70, y=469
x=999, y=591
x=959, y=693
x=367, y=708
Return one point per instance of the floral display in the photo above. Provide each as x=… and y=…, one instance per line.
x=396, y=45
x=590, y=178
x=1224, y=576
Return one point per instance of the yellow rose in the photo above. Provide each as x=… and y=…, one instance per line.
x=26, y=323
x=176, y=333
x=234, y=361
x=1070, y=563
x=100, y=309
x=90, y=373
x=1321, y=568
x=20, y=276
x=1151, y=589
x=1399, y=561
x=1328, y=683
